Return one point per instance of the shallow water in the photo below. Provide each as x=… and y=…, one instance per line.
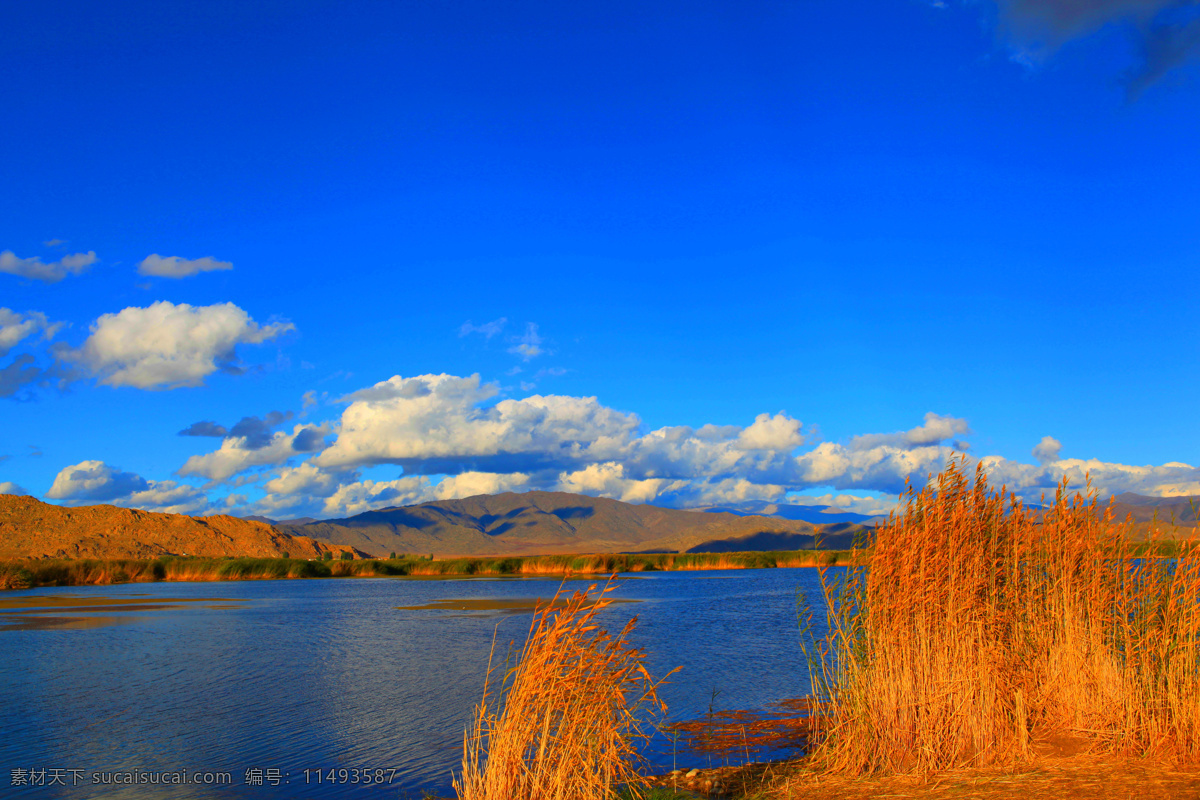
x=297, y=675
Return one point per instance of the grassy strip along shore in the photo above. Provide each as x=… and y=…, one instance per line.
x=28, y=573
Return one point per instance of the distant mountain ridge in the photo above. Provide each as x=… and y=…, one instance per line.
x=1143, y=509
x=559, y=522
x=30, y=528
x=818, y=515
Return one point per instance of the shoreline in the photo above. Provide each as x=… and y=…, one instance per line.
x=34, y=572
x=29, y=573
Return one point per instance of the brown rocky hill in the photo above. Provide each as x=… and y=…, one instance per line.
x=559, y=522
x=30, y=528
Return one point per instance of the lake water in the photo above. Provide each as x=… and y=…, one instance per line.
x=280, y=677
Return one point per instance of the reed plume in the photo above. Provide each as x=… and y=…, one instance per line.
x=979, y=624
x=567, y=719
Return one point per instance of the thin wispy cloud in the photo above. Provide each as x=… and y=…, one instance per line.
x=487, y=329
x=1165, y=33
x=48, y=272
x=529, y=344
x=176, y=267
x=16, y=327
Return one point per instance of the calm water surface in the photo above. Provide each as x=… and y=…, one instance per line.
x=299, y=675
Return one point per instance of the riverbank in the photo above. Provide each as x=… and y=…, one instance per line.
x=33, y=572
x=1060, y=769
x=30, y=573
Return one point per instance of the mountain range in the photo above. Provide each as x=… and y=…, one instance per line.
x=529, y=523
x=557, y=522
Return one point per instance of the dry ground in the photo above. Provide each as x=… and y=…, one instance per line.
x=1060, y=769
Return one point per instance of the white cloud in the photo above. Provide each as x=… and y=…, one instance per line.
x=1171, y=479
x=238, y=453
x=445, y=425
x=167, y=346
x=870, y=506
x=1047, y=450
x=470, y=484
x=8, y=487
x=305, y=479
x=608, y=480
x=355, y=498
x=94, y=480
x=882, y=468
x=91, y=482
x=779, y=432
x=935, y=429
x=176, y=267
x=15, y=327
x=52, y=272
x=441, y=418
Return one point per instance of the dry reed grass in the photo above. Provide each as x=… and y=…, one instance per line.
x=974, y=629
x=566, y=720
x=26, y=573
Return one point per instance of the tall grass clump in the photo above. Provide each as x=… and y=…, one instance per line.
x=566, y=720
x=979, y=624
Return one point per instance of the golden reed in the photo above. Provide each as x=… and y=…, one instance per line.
x=567, y=719
x=980, y=625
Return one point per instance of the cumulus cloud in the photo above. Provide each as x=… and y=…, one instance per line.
x=176, y=267
x=1047, y=450
x=1168, y=480
x=609, y=480
x=168, y=346
x=1166, y=32
x=470, y=484
x=355, y=498
x=305, y=479
x=91, y=482
x=38, y=270
x=442, y=423
x=8, y=487
x=779, y=432
x=256, y=432
x=488, y=329
x=15, y=327
x=463, y=431
x=870, y=506
x=255, y=448
x=883, y=467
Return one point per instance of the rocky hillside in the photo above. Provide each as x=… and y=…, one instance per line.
x=30, y=528
x=558, y=522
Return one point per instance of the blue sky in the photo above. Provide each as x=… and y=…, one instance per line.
x=675, y=253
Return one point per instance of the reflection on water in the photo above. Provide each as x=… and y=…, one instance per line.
x=497, y=605
x=44, y=611
x=330, y=674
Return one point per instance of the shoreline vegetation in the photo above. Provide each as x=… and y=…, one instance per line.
x=976, y=649
x=32, y=573
x=27, y=573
